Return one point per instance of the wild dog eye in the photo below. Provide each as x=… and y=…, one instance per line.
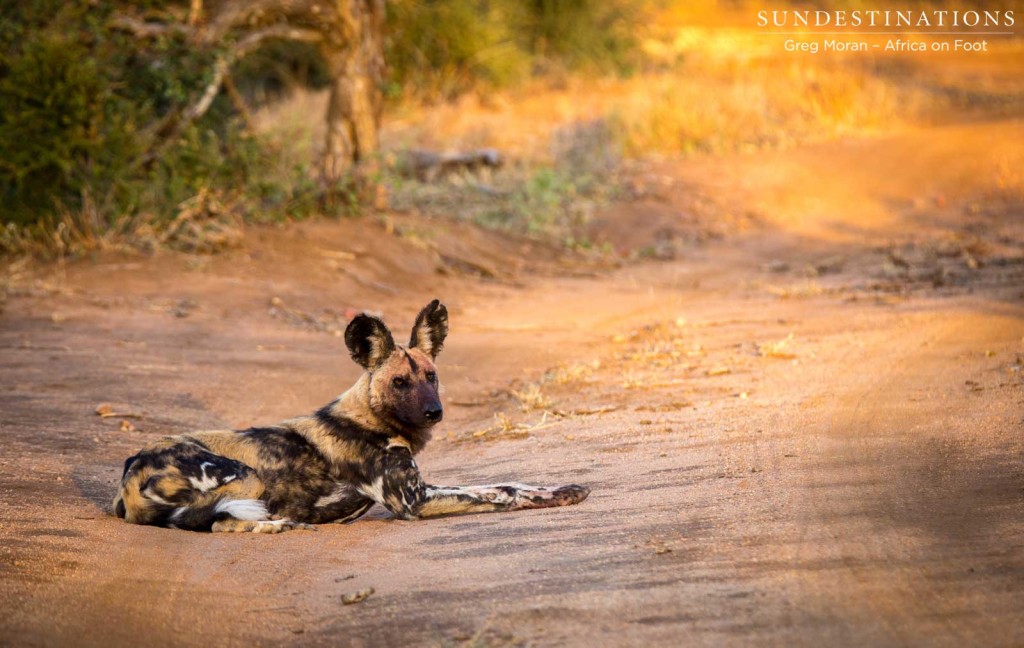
x=432, y=376
x=399, y=382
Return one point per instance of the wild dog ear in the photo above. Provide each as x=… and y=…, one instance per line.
x=430, y=329
x=128, y=464
x=369, y=341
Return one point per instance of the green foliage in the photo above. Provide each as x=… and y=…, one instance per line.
x=556, y=201
x=444, y=48
x=52, y=98
x=62, y=128
x=584, y=34
x=89, y=114
x=440, y=49
x=277, y=69
x=82, y=111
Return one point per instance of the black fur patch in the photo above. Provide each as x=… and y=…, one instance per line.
x=412, y=363
x=346, y=428
x=280, y=444
x=127, y=465
x=369, y=341
x=200, y=464
x=199, y=518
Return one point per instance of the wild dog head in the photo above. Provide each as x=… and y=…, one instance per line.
x=403, y=380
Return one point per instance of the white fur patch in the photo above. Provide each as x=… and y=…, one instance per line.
x=398, y=442
x=149, y=494
x=340, y=492
x=243, y=509
x=374, y=491
x=441, y=491
x=376, y=350
x=207, y=482
x=354, y=515
x=268, y=526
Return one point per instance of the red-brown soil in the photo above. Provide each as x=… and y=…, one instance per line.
x=801, y=424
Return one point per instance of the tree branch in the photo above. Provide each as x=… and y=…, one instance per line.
x=239, y=103
x=254, y=40
x=143, y=29
x=230, y=16
x=199, y=108
x=250, y=43
x=243, y=48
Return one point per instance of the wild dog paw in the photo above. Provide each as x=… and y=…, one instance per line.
x=568, y=495
x=280, y=525
x=548, y=497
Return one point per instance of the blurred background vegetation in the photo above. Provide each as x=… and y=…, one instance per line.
x=83, y=102
x=91, y=152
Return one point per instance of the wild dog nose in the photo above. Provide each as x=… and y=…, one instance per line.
x=433, y=414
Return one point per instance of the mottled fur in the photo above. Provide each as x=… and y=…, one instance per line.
x=332, y=465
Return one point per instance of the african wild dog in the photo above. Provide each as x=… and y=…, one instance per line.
x=330, y=466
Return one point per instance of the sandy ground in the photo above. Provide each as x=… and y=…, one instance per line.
x=802, y=426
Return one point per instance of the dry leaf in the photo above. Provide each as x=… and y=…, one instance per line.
x=719, y=371
x=126, y=426
x=105, y=409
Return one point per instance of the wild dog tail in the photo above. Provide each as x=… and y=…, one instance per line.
x=201, y=518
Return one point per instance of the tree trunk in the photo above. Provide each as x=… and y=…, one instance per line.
x=350, y=34
x=355, y=58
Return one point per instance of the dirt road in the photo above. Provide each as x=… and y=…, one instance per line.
x=807, y=432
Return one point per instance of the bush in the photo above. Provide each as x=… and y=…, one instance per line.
x=60, y=130
x=85, y=109
x=89, y=114
x=440, y=49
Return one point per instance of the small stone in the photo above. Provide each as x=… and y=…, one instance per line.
x=357, y=597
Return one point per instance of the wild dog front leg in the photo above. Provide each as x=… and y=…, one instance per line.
x=401, y=490
x=259, y=526
x=452, y=500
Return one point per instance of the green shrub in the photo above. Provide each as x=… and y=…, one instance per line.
x=592, y=35
x=58, y=128
x=84, y=108
x=441, y=49
x=88, y=113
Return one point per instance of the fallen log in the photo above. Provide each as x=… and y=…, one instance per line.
x=428, y=166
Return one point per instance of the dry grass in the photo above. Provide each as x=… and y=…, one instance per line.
x=776, y=104
x=710, y=85
x=711, y=105
x=69, y=233
x=506, y=428
x=575, y=373
x=1009, y=181
x=201, y=224
x=780, y=349
x=532, y=397
x=708, y=90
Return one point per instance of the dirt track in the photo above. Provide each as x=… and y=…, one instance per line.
x=806, y=433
